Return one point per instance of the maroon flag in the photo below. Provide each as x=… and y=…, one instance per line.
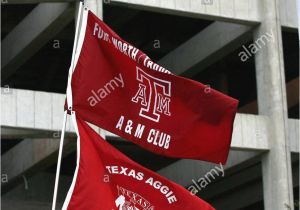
x=118, y=88
x=105, y=179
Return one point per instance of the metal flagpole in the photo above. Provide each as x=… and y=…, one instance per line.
x=59, y=160
x=61, y=144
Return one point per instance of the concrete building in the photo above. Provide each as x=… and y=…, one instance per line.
x=248, y=49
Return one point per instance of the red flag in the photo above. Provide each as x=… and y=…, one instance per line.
x=105, y=179
x=117, y=87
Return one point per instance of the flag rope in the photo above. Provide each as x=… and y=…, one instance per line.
x=69, y=102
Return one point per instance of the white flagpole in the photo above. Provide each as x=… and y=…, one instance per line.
x=61, y=144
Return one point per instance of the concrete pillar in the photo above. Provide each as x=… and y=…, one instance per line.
x=271, y=93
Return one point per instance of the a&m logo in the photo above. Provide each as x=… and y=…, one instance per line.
x=153, y=94
x=129, y=200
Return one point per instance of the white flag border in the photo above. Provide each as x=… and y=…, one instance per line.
x=76, y=52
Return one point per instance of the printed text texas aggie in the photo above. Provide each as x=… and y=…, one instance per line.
x=106, y=179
